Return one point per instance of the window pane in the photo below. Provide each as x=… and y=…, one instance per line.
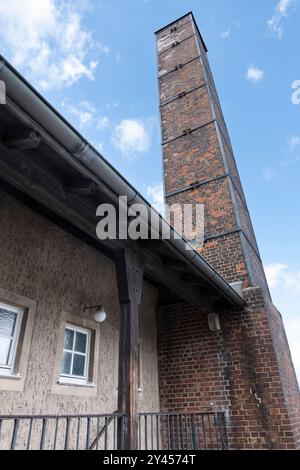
x=5, y=345
x=7, y=322
x=66, y=363
x=80, y=343
x=69, y=339
x=78, y=365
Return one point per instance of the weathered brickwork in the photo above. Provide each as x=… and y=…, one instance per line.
x=225, y=254
x=197, y=149
x=204, y=152
x=246, y=369
x=235, y=371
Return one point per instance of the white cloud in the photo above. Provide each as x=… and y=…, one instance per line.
x=111, y=106
x=274, y=272
x=156, y=194
x=46, y=40
x=131, y=137
x=86, y=114
x=294, y=142
x=226, y=34
x=296, y=94
x=103, y=122
x=281, y=275
x=291, y=158
x=255, y=74
x=280, y=13
x=268, y=174
x=284, y=283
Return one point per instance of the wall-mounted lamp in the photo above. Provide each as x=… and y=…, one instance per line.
x=100, y=314
x=214, y=324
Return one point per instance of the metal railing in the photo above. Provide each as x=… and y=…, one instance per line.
x=156, y=431
x=80, y=432
x=171, y=431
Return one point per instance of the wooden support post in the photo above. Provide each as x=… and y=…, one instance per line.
x=130, y=272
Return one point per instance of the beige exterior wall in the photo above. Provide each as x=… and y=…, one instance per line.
x=56, y=274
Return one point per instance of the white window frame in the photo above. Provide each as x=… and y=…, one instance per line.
x=9, y=369
x=74, y=379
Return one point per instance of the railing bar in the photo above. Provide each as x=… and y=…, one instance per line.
x=29, y=434
x=15, y=434
x=172, y=432
x=124, y=419
x=114, y=434
x=140, y=433
x=78, y=434
x=178, y=433
x=98, y=433
x=217, y=431
x=210, y=432
x=106, y=434
x=0, y=430
x=44, y=430
x=22, y=417
x=108, y=420
x=55, y=434
x=67, y=434
x=88, y=432
x=204, y=432
x=169, y=434
x=157, y=433
x=186, y=432
x=49, y=417
x=146, y=432
x=152, y=442
x=181, y=428
x=194, y=434
x=221, y=429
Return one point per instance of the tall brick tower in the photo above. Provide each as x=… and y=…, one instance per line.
x=199, y=164
x=245, y=369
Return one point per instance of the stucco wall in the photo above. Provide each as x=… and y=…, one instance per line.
x=42, y=262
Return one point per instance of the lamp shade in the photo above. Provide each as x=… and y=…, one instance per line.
x=100, y=315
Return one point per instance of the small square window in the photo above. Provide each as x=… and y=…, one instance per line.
x=76, y=352
x=10, y=323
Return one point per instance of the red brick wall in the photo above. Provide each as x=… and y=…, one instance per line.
x=197, y=151
x=235, y=371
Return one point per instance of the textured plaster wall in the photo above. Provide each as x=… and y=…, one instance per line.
x=61, y=273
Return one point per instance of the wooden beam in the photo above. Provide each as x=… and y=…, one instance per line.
x=22, y=173
x=80, y=186
x=130, y=273
x=174, y=281
x=22, y=140
x=193, y=279
x=174, y=264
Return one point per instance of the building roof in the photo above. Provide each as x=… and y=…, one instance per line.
x=48, y=160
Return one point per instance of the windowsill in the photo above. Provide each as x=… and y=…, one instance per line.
x=8, y=376
x=74, y=383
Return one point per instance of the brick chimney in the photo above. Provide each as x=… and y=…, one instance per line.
x=199, y=164
x=245, y=368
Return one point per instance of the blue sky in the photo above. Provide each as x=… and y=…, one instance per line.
x=95, y=60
